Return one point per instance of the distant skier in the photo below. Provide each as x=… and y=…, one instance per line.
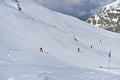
x=100, y=40
x=75, y=38
x=91, y=46
x=19, y=8
x=78, y=50
x=17, y=3
x=41, y=49
x=100, y=66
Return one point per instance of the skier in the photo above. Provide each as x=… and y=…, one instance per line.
x=78, y=50
x=100, y=67
x=75, y=38
x=41, y=49
x=19, y=8
x=91, y=46
x=17, y=3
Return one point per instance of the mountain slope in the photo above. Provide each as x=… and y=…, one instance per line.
x=23, y=32
x=107, y=17
x=55, y=33
x=54, y=73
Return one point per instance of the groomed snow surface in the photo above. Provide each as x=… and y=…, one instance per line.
x=22, y=33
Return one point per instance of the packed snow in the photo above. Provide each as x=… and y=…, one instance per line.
x=23, y=32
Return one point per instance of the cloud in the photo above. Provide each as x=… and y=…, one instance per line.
x=82, y=13
x=77, y=8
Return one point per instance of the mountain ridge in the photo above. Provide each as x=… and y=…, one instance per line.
x=107, y=17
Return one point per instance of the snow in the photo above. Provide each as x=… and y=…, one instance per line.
x=23, y=32
x=54, y=73
x=114, y=4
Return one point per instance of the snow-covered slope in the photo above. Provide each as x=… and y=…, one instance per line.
x=23, y=72
x=107, y=17
x=23, y=32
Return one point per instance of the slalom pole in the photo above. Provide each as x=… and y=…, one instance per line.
x=109, y=65
x=109, y=55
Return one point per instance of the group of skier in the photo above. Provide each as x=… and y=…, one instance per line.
x=78, y=49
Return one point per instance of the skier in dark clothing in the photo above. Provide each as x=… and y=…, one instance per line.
x=91, y=46
x=19, y=8
x=78, y=50
x=41, y=50
x=17, y=3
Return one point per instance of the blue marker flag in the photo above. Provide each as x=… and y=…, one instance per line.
x=109, y=54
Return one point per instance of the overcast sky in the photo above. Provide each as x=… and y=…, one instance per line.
x=77, y=8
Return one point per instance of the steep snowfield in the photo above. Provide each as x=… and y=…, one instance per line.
x=23, y=32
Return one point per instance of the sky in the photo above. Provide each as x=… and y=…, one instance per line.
x=78, y=8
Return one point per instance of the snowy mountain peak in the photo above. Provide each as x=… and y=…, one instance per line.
x=107, y=17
